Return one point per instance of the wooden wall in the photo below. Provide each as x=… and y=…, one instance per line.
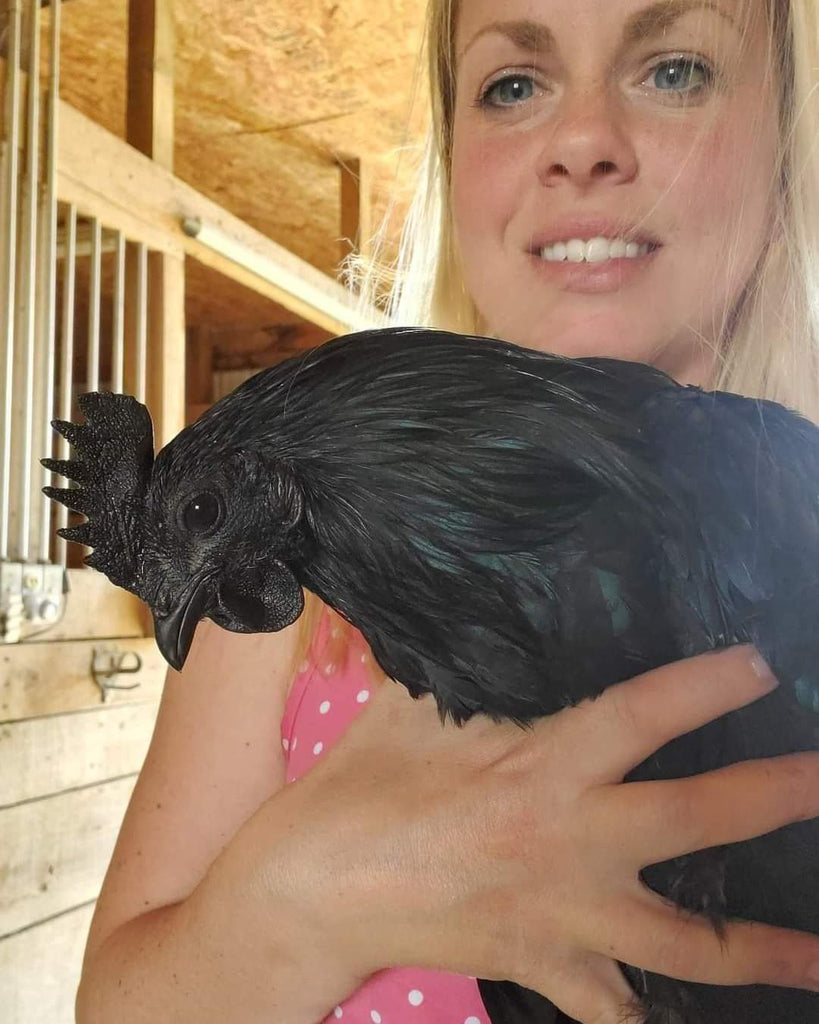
x=68, y=763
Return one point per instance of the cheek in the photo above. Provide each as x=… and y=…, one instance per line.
x=713, y=190
x=487, y=185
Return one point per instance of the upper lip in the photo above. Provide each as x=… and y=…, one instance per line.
x=586, y=228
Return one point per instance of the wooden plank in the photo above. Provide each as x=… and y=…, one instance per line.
x=40, y=969
x=149, y=105
x=115, y=215
x=166, y=356
x=54, y=678
x=56, y=851
x=44, y=756
x=96, y=608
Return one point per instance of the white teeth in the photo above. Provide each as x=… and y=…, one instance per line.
x=596, y=250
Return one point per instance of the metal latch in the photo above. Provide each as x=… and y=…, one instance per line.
x=108, y=663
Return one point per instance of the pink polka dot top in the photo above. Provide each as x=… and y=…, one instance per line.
x=323, y=701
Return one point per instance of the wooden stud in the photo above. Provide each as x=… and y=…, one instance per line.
x=198, y=371
x=166, y=333
x=150, y=113
x=356, y=207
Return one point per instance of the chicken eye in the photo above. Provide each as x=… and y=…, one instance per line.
x=202, y=513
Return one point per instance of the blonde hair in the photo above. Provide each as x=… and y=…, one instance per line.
x=769, y=344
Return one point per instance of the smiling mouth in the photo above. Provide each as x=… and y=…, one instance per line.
x=594, y=251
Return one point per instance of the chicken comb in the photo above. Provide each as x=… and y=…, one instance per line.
x=114, y=455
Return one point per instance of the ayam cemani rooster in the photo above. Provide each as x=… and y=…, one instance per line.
x=513, y=532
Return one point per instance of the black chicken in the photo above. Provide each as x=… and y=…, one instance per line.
x=513, y=532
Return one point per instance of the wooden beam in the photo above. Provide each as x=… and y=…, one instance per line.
x=166, y=329
x=149, y=107
x=356, y=207
x=104, y=177
x=101, y=174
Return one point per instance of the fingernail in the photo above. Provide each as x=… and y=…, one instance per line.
x=763, y=671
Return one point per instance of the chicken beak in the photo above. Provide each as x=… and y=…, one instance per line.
x=174, y=631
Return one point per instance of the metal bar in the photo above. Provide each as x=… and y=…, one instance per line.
x=92, y=373
x=67, y=354
x=28, y=336
x=9, y=241
x=118, y=355
x=51, y=276
x=142, y=323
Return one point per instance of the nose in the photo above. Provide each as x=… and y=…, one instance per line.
x=589, y=141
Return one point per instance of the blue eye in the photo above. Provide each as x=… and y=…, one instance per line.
x=508, y=91
x=676, y=75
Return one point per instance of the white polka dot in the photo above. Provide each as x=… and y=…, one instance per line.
x=304, y=666
x=415, y=997
x=317, y=749
x=338, y=1012
x=365, y=658
x=375, y=1016
x=472, y=1020
x=294, y=743
x=335, y=632
x=329, y=669
x=324, y=707
x=362, y=696
x=285, y=743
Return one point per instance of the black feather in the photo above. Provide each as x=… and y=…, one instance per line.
x=515, y=532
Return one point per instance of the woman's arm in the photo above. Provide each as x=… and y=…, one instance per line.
x=485, y=850
x=164, y=946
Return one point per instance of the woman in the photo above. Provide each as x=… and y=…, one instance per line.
x=565, y=134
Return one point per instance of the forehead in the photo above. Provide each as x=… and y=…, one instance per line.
x=543, y=24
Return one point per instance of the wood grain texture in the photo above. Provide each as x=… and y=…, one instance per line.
x=96, y=608
x=56, y=851
x=149, y=114
x=40, y=970
x=45, y=756
x=55, y=678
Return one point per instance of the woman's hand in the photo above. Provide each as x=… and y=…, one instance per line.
x=510, y=854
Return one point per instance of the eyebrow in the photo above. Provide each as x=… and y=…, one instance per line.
x=534, y=36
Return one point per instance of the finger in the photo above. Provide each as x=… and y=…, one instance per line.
x=671, y=818
x=662, y=938
x=587, y=987
x=631, y=720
